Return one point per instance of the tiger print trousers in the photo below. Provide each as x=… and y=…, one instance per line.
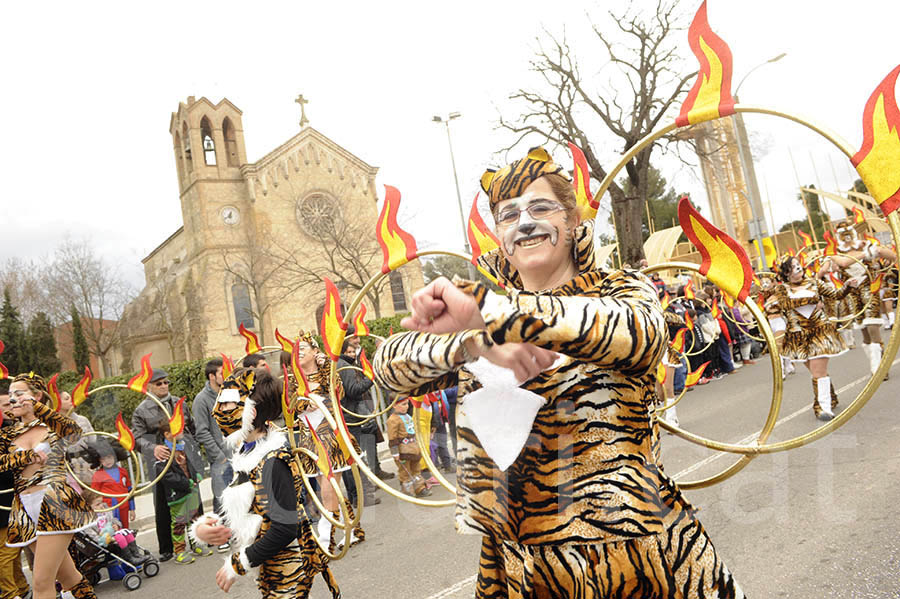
x=679, y=563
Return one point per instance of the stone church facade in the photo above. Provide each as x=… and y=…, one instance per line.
x=256, y=239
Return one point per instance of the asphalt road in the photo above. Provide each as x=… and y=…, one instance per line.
x=816, y=522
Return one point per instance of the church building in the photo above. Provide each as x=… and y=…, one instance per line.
x=256, y=240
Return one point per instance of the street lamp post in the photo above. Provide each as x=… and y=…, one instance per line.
x=758, y=228
x=462, y=217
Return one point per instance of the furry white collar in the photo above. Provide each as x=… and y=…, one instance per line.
x=245, y=462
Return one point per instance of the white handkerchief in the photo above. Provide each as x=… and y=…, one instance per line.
x=501, y=413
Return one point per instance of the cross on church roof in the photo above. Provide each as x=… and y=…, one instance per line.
x=302, y=102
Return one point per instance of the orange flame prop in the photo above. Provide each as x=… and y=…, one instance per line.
x=678, y=342
x=838, y=284
x=807, y=240
x=725, y=262
x=661, y=373
x=125, y=436
x=693, y=378
x=875, y=285
x=858, y=216
x=397, y=246
x=359, y=322
x=665, y=300
x=285, y=343
x=877, y=159
x=176, y=422
x=341, y=443
x=252, y=345
x=689, y=290
x=53, y=392
x=366, y=367
x=322, y=461
x=716, y=313
x=688, y=321
x=302, y=383
x=80, y=392
x=710, y=98
x=830, y=244
x=140, y=381
x=333, y=326
x=791, y=252
x=227, y=366
x=286, y=409
x=481, y=239
x=4, y=371
x=729, y=301
x=587, y=205
x=872, y=240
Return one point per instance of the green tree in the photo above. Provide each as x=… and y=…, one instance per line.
x=80, y=352
x=12, y=333
x=41, y=344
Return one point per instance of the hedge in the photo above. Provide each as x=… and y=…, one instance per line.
x=185, y=380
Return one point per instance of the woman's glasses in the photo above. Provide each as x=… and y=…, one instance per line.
x=538, y=210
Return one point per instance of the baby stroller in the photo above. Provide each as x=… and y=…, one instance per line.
x=90, y=558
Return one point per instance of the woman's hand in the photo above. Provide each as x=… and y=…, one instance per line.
x=213, y=534
x=224, y=578
x=441, y=307
x=161, y=452
x=525, y=360
x=39, y=457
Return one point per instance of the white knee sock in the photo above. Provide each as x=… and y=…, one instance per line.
x=823, y=394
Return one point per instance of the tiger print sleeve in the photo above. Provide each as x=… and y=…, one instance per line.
x=15, y=460
x=828, y=290
x=417, y=363
x=63, y=426
x=613, y=319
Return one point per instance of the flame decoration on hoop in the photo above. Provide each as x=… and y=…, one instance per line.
x=877, y=159
x=397, y=246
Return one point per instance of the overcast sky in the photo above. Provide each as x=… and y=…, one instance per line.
x=91, y=86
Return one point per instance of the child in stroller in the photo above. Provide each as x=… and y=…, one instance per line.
x=107, y=545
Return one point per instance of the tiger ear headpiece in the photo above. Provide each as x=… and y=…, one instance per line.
x=847, y=235
x=35, y=381
x=236, y=423
x=307, y=337
x=511, y=180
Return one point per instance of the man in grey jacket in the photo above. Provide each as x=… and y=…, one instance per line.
x=145, y=426
x=210, y=436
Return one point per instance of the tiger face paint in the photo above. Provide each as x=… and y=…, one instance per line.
x=526, y=222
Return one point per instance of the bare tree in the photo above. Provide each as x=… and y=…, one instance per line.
x=26, y=288
x=77, y=276
x=644, y=85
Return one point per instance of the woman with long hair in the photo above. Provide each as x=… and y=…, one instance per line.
x=810, y=336
x=577, y=507
x=46, y=510
x=262, y=517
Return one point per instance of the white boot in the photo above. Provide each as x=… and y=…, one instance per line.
x=849, y=340
x=823, y=396
x=671, y=415
x=787, y=367
x=324, y=530
x=891, y=317
x=873, y=350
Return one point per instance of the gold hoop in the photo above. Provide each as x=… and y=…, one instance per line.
x=125, y=496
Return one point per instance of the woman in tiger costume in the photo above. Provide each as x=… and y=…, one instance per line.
x=262, y=515
x=319, y=380
x=46, y=511
x=810, y=337
x=857, y=259
x=583, y=511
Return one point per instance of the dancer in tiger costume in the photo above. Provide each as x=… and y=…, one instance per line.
x=319, y=379
x=811, y=336
x=582, y=511
x=857, y=259
x=46, y=511
x=262, y=515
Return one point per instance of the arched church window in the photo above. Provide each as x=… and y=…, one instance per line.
x=231, y=155
x=398, y=294
x=243, y=307
x=319, y=215
x=209, y=147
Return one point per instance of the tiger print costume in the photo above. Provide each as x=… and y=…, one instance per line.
x=62, y=509
x=247, y=506
x=810, y=332
x=584, y=511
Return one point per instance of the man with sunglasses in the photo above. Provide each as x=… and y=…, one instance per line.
x=144, y=425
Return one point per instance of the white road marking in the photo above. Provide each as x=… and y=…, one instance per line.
x=749, y=438
x=453, y=589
